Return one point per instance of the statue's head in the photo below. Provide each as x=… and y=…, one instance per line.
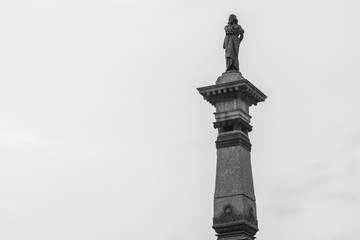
x=232, y=19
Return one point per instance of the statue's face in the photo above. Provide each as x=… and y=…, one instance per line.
x=231, y=19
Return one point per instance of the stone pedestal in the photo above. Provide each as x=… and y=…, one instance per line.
x=235, y=216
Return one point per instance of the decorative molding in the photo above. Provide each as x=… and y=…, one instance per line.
x=230, y=216
x=233, y=124
x=231, y=139
x=234, y=112
x=242, y=89
x=235, y=229
x=231, y=223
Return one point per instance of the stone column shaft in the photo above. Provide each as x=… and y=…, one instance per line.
x=235, y=216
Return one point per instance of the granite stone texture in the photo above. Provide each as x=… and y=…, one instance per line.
x=232, y=104
x=233, y=172
x=232, y=109
x=233, y=138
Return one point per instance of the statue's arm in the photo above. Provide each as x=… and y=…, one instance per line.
x=241, y=36
x=241, y=33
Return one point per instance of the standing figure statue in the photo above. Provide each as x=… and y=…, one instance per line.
x=234, y=35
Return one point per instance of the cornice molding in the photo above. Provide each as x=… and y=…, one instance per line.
x=242, y=89
x=233, y=138
x=236, y=123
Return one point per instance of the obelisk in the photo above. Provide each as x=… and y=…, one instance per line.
x=235, y=215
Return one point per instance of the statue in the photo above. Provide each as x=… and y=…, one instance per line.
x=234, y=35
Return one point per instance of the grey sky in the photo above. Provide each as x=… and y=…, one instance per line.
x=104, y=136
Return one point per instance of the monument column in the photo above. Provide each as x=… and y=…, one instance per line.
x=235, y=215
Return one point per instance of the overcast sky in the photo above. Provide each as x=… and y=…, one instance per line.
x=103, y=134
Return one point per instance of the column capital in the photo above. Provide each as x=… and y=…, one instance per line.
x=222, y=92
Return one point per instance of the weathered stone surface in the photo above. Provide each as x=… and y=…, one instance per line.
x=240, y=203
x=232, y=105
x=233, y=138
x=231, y=224
x=232, y=109
x=233, y=124
x=233, y=173
x=236, y=231
x=230, y=76
x=234, y=114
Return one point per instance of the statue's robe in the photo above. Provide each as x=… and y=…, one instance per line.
x=232, y=44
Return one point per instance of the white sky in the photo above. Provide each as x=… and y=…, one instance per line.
x=104, y=136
